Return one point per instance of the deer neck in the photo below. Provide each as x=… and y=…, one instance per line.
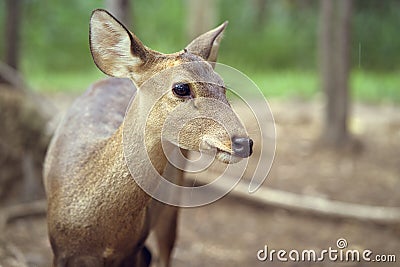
x=140, y=148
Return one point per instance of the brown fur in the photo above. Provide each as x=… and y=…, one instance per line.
x=97, y=213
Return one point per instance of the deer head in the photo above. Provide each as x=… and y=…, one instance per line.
x=184, y=91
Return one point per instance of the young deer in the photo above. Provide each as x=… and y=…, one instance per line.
x=97, y=214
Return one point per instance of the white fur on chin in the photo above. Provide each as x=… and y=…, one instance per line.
x=227, y=158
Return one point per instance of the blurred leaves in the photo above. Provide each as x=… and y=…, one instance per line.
x=279, y=36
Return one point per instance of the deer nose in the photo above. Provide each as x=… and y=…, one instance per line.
x=242, y=146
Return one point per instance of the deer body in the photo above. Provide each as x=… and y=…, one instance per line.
x=76, y=219
x=97, y=214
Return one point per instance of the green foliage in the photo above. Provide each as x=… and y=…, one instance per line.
x=376, y=87
x=283, y=36
x=376, y=33
x=55, y=34
x=286, y=84
x=160, y=24
x=277, y=46
x=284, y=39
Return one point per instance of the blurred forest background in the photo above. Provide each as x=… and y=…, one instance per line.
x=274, y=41
x=330, y=70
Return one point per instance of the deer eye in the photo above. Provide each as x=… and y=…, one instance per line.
x=181, y=89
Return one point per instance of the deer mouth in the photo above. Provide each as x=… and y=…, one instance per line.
x=221, y=154
x=227, y=157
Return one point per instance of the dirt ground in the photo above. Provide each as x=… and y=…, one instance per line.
x=230, y=232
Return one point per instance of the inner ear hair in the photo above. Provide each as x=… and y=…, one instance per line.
x=114, y=48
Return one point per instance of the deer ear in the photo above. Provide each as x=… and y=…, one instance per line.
x=115, y=50
x=207, y=44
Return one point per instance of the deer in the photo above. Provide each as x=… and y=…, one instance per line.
x=97, y=214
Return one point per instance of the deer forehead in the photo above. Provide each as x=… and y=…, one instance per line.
x=183, y=67
x=190, y=65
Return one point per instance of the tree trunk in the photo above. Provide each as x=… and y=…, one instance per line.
x=11, y=38
x=343, y=40
x=334, y=55
x=121, y=10
x=260, y=7
x=201, y=17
